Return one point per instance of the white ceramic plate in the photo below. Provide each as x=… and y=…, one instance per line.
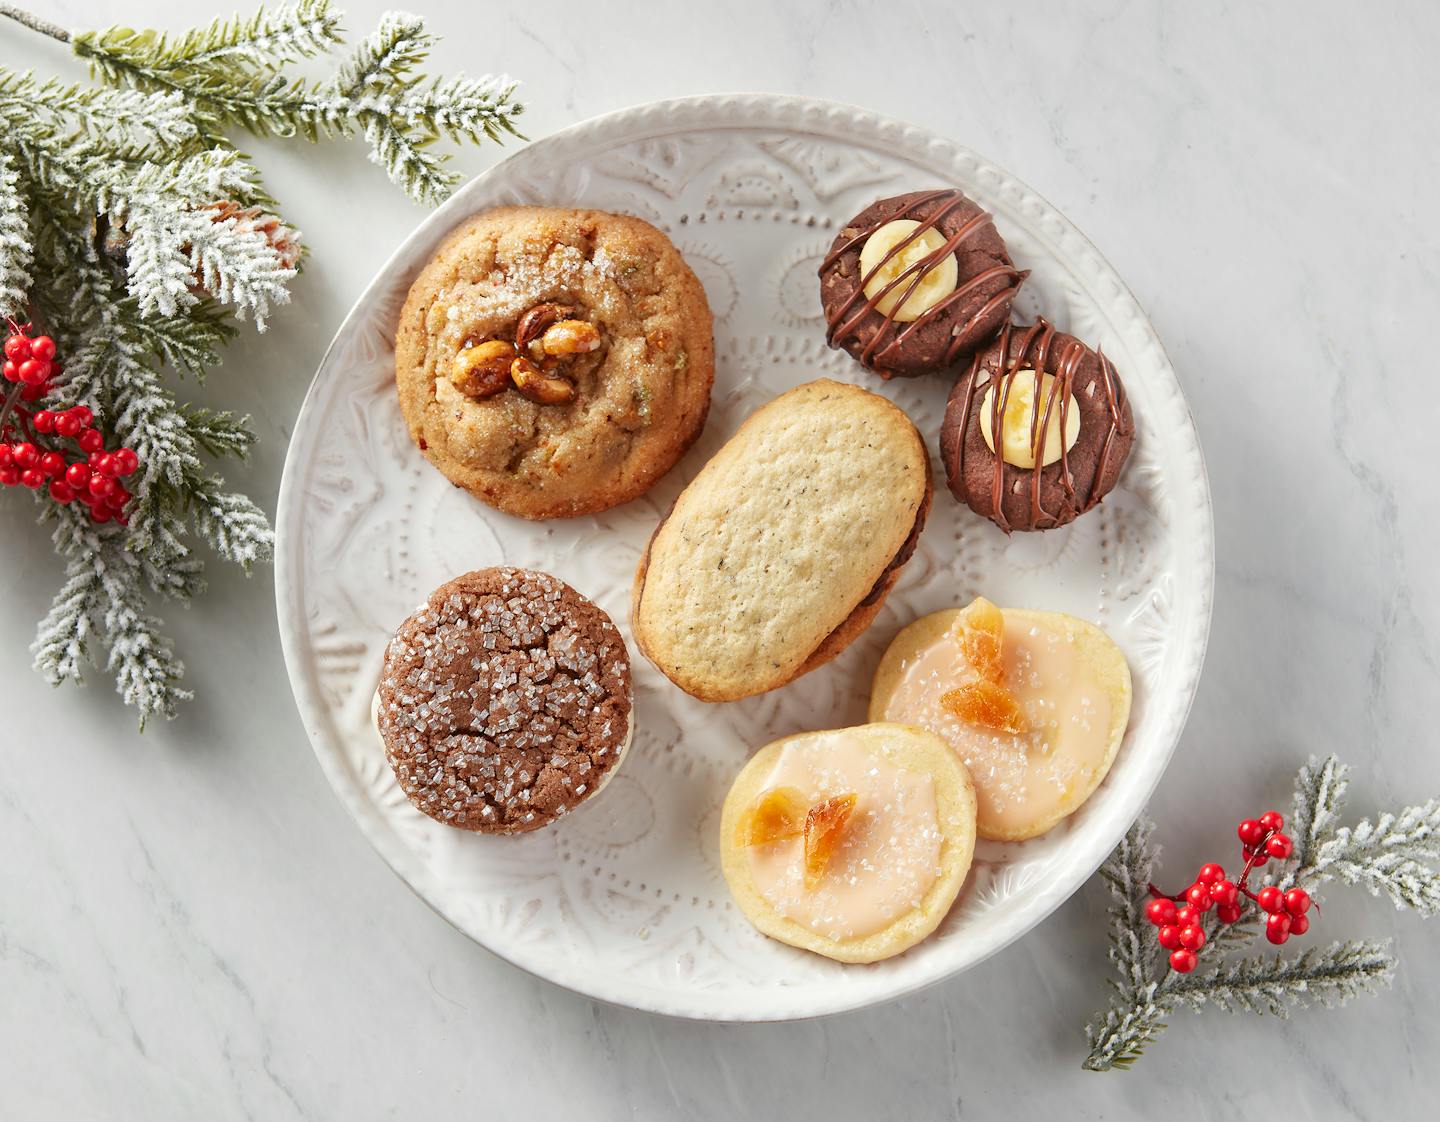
x=623, y=900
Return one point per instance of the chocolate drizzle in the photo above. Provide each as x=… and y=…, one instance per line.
x=845, y=318
x=1036, y=348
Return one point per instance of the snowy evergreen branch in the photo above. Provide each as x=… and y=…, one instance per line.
x=228, y=75
x=16, y=250
x=1269, y=984
x=135, y=234
x=1394, y=853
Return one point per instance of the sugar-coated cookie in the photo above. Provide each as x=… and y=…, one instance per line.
x=1075, y=415
x=915, y=283
x=783, y=548
x=504, y=701
x=555, y=362
x=851, y=843
x=1070, y=688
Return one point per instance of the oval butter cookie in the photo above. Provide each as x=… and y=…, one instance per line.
x=784, y=547
x=851, y=843
x=1035, y=707
x=555, y=362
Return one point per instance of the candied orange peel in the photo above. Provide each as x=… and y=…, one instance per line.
x=987, y=705
x=982, y=636
x=776, y=815
x=986, y=701
x=824, y=831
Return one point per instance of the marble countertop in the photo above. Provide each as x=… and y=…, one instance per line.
x=192, y=928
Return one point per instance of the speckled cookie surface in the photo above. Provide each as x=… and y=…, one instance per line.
x=783, y=548
x=641, y=397
x=987, y=282
x=504, y=701
x=1059, y=492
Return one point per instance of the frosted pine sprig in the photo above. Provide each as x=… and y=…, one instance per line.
x=1395, y=854
x=136, y=234
x=16, y=250
x=228, y=73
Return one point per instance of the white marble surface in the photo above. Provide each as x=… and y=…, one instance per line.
x=190, y=927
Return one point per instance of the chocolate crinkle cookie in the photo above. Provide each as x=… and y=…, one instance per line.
x=1036, y=396
x=915, y=283
x=505, y=701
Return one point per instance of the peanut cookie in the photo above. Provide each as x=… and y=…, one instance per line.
x=783, y=549
x=555, y=362
x=916, y=282
x=504, y=701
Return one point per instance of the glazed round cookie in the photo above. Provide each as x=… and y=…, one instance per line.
x=1072, y=684
x=504, y=701
x=555, y=362
x=894, y=808
x=916, y=282
x=1083, y=428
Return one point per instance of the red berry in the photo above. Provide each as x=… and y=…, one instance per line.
x=1182, y=961
x=32, y=478
x=91, y=441
x=52, y=463
x=126, y=461
x=1272, y=820
x=101, y=485
x=42, y=347
x=1271, y=899
x=1199, y=897
x=1277, y=928
x=26, y=455
x=83, y=414
x=1168, y=937
x=9, y=476
x=1299, y=924
x=1160, y=911
x=7, y=457
x=17, y=348
x=1224, y=892
x=33, y=371
x=61, y=491
x=1251, y=832
x=1187, y=914
x=1192, y=938
x=1297, y=901
x=1279, y=847
x=1256, y=857
x=105, y=464
x=78, y=476
x=11, y=371
x=99, y=513
x=118, y=497
x=67, y=424
x=1211, y=873
x=35, y=393
x=44, y=421
x=1228, y=913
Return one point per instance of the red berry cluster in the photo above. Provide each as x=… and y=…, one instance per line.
x=34, y=447
x=1179, y=918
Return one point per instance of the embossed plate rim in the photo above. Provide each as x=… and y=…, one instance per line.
x=831, y=122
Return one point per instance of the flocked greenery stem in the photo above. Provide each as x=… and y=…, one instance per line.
x=139, y=234
x=1394, y=855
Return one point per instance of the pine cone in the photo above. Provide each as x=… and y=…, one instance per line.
x=285, y=240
